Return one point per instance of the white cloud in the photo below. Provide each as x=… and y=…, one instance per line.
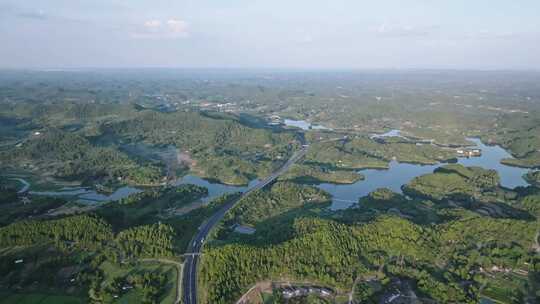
x=178, y=26
x=485, y=34
x=307, y=39
x=303, y=36
x=152, y=23
x=386, y=30
x=158, y=29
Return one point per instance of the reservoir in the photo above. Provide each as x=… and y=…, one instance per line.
x=304, y=125
x=399, y=174
x=88, y=196
x=214, y=189
x=344, y=196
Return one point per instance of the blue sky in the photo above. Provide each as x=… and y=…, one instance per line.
x=355, y=34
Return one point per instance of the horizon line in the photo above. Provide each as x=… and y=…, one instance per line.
x=289, y=69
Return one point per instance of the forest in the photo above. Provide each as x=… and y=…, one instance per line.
x=73, y=157
x=439, y=239
x=223, y=148
x=91, y=233
x=451, y=236
x=334, y=254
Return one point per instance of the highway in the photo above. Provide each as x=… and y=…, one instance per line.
x=195, y=247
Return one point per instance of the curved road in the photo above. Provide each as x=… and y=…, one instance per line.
x=26, y=185
x=178, y=267
x=195, y=247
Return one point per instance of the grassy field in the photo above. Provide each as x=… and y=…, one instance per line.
x=267, y=298
x=37, y=182
x=505, y=288
x=133, y=296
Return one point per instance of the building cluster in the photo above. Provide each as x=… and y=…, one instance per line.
x=220, y=107
x=297, y=291
x=469, y=152
x=274, y=120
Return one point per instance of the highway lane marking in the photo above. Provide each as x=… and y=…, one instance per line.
x=196, y=246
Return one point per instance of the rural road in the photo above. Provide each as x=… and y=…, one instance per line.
x=26, y=185
x=195, y=247
x=178, y=267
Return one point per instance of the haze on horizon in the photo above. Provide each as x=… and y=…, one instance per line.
x=315, y=34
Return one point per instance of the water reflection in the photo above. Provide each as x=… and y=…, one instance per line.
x=89, y=196
x=399, y=174
x=116, y=195
x=214, y=189
x=304, y=125
x=511, y=177
x=391, y=133
x=393, y=178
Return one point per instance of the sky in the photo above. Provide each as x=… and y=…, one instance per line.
x=298, y=34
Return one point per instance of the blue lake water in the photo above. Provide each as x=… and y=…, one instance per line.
x=391, y=133
x=393, y=178
x=116, y=195
x=399, y=174
x=344, y=196
x=214, y=189
x=89, y=196
x=304, y=125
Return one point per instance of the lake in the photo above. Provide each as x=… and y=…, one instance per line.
x=391, y=133
x=88, y=196
x=304, y=125
x=214, y=189
x=399, y=174
x=344, y=196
